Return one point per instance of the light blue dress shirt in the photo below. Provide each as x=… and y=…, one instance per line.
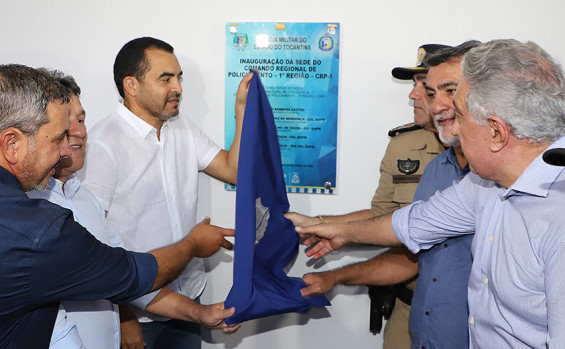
x=97, y=321
x=516, y=288
x=439, y=311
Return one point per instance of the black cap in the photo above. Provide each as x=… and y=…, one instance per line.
x=555, y=156
x=407, y=73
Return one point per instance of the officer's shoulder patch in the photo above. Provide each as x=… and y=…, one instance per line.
x=403, y=128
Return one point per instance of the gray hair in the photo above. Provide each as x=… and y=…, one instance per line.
x=66, y=80
x=24, y=95
x=520, y=83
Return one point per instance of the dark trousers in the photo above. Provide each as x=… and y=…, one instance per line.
x=171, y=334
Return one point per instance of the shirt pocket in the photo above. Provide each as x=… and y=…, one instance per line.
x=404, y=193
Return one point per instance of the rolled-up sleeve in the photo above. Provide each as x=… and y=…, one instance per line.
x=448, y=213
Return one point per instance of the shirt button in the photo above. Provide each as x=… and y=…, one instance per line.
x=445, y=245
x=490, y=238
x=427, y=313
x=434, y=279
x=471, y=321
x=485, y=281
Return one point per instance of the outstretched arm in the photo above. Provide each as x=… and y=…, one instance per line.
x=391, y=267
x=325, y=238
x=303, y=220
x=202, y=241
x=171, y=304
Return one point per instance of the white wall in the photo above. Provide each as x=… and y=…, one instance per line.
x=82, y=39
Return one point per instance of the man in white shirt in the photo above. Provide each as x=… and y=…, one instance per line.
x=96, y=323
x=142, y=165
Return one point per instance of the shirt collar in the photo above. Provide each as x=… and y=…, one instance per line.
x=67, y=189
x=538, y=176
x=140, y=126
x=451, y=158
x=9, y=179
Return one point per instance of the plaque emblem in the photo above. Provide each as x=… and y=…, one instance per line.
x=240, y=41
x=326, y=43
x=262, y=215
x=408, y=166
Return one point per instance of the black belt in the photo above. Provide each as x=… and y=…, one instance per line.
x=404, y=294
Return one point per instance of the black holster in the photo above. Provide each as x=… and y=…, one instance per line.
x=382, y=304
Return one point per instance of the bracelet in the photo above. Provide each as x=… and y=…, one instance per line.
x=321, y=219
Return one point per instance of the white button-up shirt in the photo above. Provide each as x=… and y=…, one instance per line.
x=149, y=186
x=97, y=321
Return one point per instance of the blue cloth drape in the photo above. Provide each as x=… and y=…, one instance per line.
x=265, y=241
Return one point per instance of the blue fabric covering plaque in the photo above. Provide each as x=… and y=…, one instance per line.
x=265, y=241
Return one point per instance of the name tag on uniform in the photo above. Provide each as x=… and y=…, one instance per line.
x=399, y=179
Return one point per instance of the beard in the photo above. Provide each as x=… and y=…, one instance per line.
x=28, y=179
x=444, y=132
x=160, y=111
x=446, y=137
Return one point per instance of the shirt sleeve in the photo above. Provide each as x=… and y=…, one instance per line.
x=554, y=286
x=100, y=160
x=71, y=264
x=206, y=149
x=143, y=301
x=383, y=201
x=448, y=213
x=114, y=239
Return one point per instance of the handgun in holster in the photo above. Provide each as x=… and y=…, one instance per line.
x=382, y=303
